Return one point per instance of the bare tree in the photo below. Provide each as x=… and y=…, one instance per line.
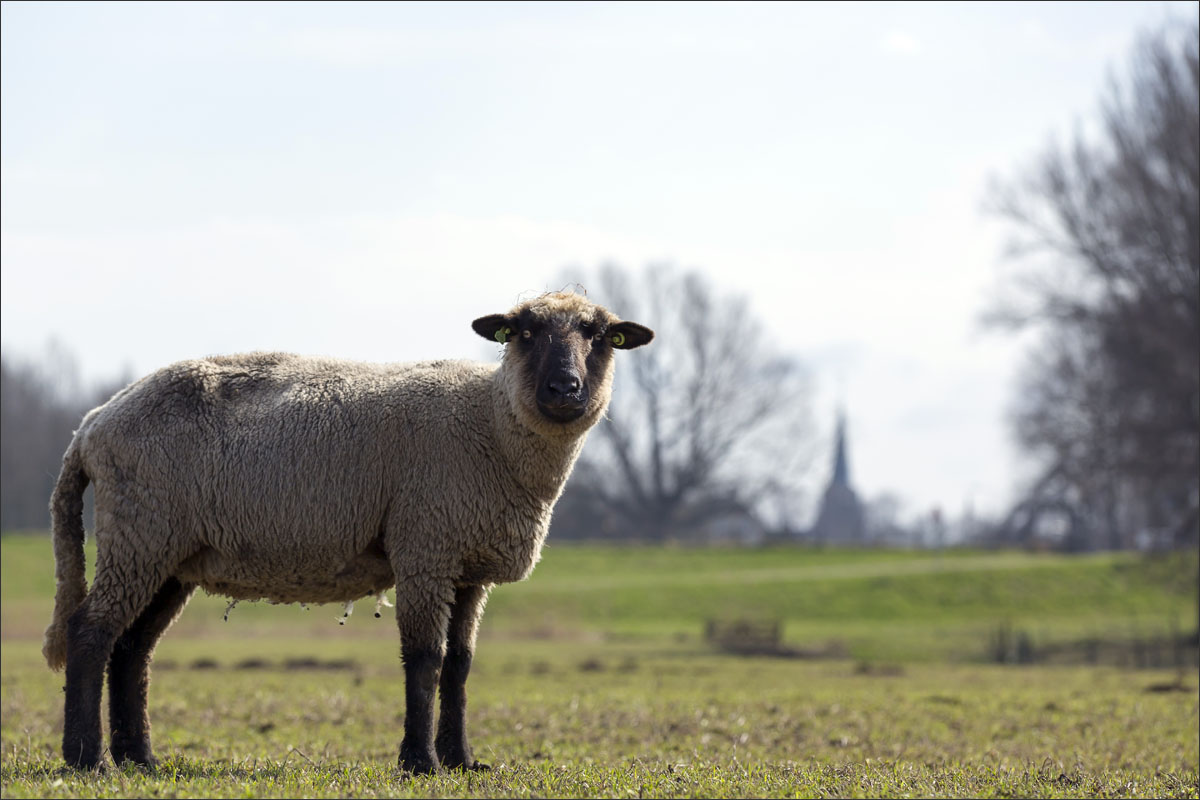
x=713, y=420
x=1112, y=401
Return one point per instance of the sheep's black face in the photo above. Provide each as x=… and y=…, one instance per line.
x=562, y=347
x=560, y=355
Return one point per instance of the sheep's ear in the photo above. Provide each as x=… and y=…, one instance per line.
x=495, y=326
x=628, y=335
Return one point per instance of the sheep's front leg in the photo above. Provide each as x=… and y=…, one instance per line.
x=421, y=669
x=423, y=619
x=452, y=747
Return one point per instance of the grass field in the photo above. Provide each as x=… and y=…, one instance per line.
x=592, y=679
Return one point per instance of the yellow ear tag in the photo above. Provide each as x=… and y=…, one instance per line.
x=618, y=339
x=502, y=335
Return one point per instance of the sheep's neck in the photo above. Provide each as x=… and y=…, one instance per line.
x=540, y=464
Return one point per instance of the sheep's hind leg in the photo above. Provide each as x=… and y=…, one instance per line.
x=129, y=674
x=452, y=747
x=118, y=595
x=88, y=646
x=422, y=617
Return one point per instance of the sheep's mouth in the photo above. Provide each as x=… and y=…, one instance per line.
x=562, y=409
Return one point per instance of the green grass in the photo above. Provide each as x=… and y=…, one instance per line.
x=623, y=720
x=591, y=679
x=875, y=605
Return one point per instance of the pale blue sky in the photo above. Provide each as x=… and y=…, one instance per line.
x=363, y=180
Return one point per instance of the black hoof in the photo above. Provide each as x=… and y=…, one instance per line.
x=79, y=757
x=68, y=772
x=138, y=754
x=418, y=763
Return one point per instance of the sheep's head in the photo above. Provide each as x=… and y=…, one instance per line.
x=558, y=358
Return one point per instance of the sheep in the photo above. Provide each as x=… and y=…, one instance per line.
x=295, y=479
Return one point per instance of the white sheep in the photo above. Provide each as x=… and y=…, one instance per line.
x=272, y=476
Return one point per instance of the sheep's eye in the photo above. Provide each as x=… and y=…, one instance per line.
x=526, y=334
x=597, y=337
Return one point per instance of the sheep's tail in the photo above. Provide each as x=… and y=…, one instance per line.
x=66, y=519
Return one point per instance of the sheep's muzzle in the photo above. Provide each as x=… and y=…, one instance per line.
x=562, y=396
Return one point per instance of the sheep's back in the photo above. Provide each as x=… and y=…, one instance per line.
x=265, y=453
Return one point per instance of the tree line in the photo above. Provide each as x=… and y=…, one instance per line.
x=1107, y=233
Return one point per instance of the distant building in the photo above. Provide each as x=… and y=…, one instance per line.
x=840, y=520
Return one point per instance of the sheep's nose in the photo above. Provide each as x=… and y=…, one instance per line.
x=564, y=384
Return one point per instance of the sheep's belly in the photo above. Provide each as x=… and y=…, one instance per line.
x=244, y=579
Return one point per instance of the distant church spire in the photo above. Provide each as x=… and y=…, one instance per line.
x=841, y=470
x=840, y=518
